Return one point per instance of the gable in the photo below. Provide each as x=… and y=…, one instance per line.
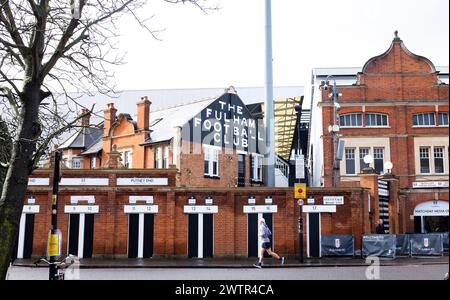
x=398, y=59
x=226, y=123
x=123, y=126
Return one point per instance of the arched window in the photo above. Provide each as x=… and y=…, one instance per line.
x=351, y=120
x=376, y=120
x=424, y=120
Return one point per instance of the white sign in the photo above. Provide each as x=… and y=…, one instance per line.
x=430, y=184
x=300, y=202
x=319, y=208
x=78, y=199
x=30, y=209
x=432, y=208
x=333, y=200
x=81, y=209
x=142, y=181
x=300, y=167
x=141, y=209
x=201, y=209
x=38, y=181
x=84, y=182
x=146, y=199
x=260, y=209
x=311, y=201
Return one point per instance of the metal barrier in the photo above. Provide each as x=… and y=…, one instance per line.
x=426, y=244
x=403, y=245
x=338, y=245
x=379, y=245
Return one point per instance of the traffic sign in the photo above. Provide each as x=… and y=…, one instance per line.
x=300, y=191
x=300, y=202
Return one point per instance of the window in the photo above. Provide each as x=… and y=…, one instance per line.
x=350, y=165
x=378, y=155
x=257, y=167
x=93, y=162
x=363, y=152
x=166, y=158
x=158, y=158
x=439, y=160
x=76, y=163
x=427, y=119
x=443, y=119
x=424, y=160
x=376, y=120
x=211, y=162
x=127, y=159
x=351, y=120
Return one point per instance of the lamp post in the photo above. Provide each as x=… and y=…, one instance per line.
x=269, y=105
x=325, y=85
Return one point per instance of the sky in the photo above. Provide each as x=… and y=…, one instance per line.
x=226, y=47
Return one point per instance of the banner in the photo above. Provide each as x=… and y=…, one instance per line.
x=445, y=241
x=426, y=244
x=338, y=245
x=403, y=246
x=379, y=245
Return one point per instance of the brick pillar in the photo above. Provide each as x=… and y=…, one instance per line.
x=370, y=181
x=111, y=246
x=170, y=224
x=230, y=224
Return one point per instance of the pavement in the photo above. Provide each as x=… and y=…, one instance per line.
x=218, y=263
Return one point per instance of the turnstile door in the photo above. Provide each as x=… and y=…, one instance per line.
x=208, y=235
x=207, y=239
x=193, y=236
x=148, y=235
x=314, y=234
x=88, y=234
x=29, y=234
x=74, y=227
x=133, y=235
x=253, y=246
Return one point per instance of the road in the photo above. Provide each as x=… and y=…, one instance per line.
x=411, y=272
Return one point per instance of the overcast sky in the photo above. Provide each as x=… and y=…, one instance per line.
x=226, y=47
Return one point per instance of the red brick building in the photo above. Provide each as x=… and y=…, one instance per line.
x=397, y=111
x=215, y=142
x=140, y=213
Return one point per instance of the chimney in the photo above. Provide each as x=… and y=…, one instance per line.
x=110, y=117
x=143, y=114
x=85, y=117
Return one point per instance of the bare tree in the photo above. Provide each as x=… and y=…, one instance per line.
x=48, y=46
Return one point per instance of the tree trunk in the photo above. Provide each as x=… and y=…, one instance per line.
x=16, y=181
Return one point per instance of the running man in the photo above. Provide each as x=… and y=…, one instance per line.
x=264, y=235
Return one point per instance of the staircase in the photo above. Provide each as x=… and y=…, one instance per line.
x=281, y=172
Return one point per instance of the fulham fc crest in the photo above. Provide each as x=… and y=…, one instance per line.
x=337, y=243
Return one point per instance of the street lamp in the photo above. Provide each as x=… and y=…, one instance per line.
x=334, y=129
x=368, y=160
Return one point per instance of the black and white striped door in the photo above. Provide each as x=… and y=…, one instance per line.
x=81, y=226
x=254, y=214
x=201, y=230
x=24, y=244
x=141, y=219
